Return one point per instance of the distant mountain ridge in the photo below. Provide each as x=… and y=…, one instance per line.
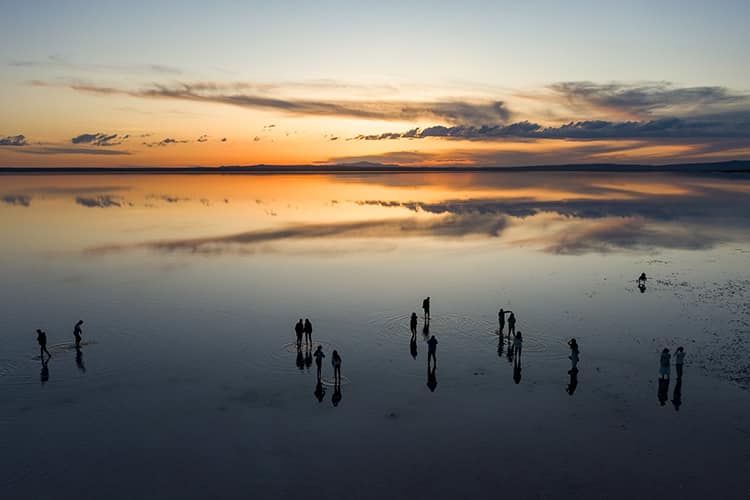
x=734, y=166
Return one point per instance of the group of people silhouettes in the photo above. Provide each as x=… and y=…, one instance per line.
x=432, y=343
x=515, y=341
x=304, y=329
x=41, y=338
x=665, y=368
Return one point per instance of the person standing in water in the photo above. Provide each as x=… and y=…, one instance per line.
x=501, y=320
x=308, y=331
x=664, y=367
x=336, y=362
x=77, y=332
x=413, y=323
x=319, y=360
x=41, y=337
x=299, y=329
x=679, y=360
x=642, y=279
x=511, y=324
x=426, y=308
x=432, y=351
x=573, y=353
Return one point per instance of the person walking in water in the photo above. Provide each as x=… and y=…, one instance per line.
x=413, y=323
x=319, y=360
x=77, y=332
x=511, y=324
x=573, y=353
x=336, y=362
x=426, y=307
x=308, y=331
x=299, y=329
x=41, y=337
x=432, y=351
x=664, y=361
x=679, y=360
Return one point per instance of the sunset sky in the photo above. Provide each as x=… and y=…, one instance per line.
x=412, y=83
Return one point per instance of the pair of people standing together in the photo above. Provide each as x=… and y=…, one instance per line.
x=303, y=328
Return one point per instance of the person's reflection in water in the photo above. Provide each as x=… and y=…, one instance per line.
x=413, y=345
x=413, y=323
x=79, y=360
x=677, y=395
x=336, y=398
x=642, y=287
x=431, y=377
x=320, y=392
x=44, y=375
x=308, y=356
x=426, y=330
x=573, y=382
x=300, y=362
x=663, y=393
x=517, y=348
x=500, y=343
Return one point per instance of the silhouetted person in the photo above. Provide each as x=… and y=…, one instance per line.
x=308, y=331
x=320, y=392
x=642, y=279
x=426, y=307
x=663, y=393
x=501, y=319
x=432, y=351
x=413, y=345
x=679, y=360
x=41, y=337
x=573, y=353
x=518, y=345
x=431, y=378
x=44, y=375
x=336, y=398
x=300, y=362
x=336, y=362
x=319, y=360
x=426, y=330
x=79, y=360
x=677, y=394
x=573, y=382
x=299, y=329
x=77, y=332
x=664, y=360
x=511, y=324
x=413, y=323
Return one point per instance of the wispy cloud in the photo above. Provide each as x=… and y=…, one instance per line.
x=449, y=111
x=100, y=139
x=101, y=201
x=166, y=142
x=61, y=62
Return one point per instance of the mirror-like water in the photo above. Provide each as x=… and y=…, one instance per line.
x=189, y=382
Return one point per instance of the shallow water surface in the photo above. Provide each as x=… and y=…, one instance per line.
x=189, y=382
